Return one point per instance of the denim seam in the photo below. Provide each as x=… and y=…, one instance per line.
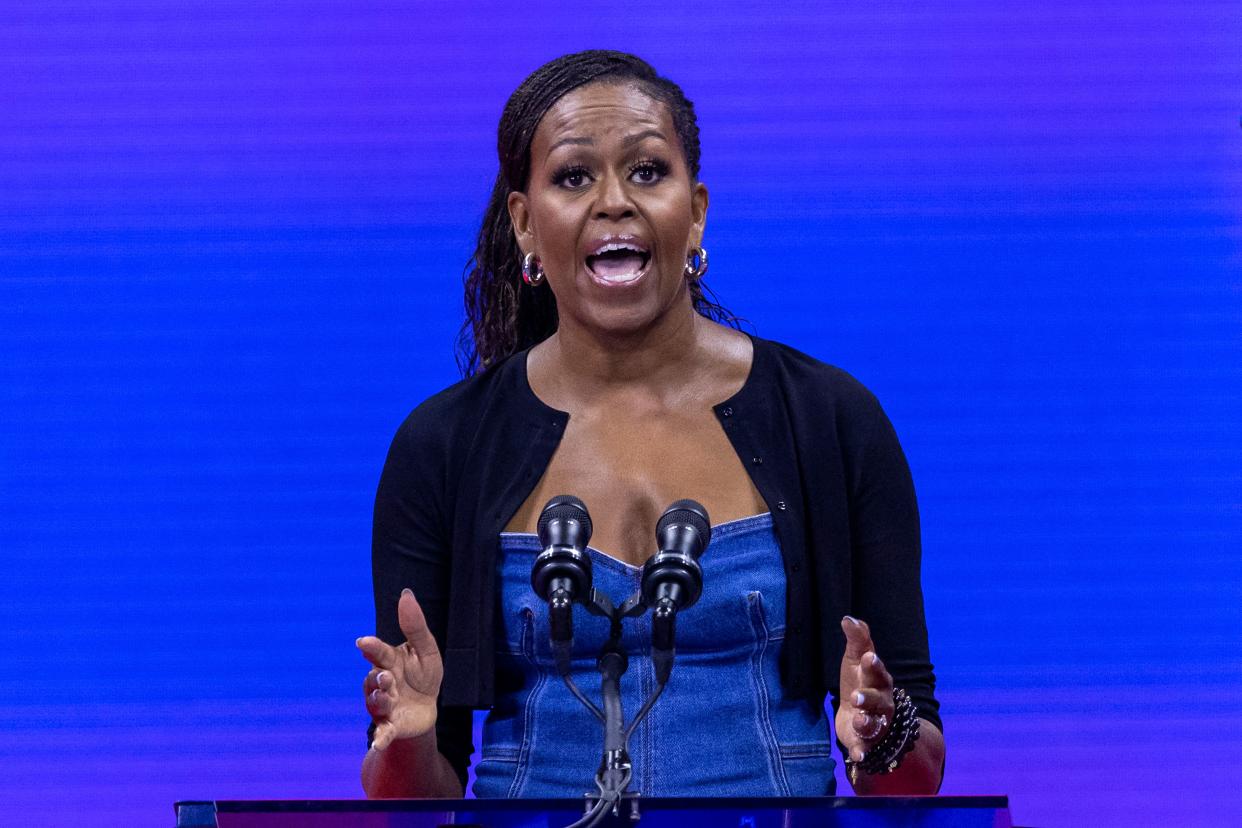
x=532, y=702
x=742, y=526
x=648, y=730
x=811, y=751
x=771, y=744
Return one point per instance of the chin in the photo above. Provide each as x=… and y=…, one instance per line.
x=621, y=322
x=641, y=312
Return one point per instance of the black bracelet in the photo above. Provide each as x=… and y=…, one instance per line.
x=889, y=751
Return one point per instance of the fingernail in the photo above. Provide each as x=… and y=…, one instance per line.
x=853, y=620
x=407, y=591
x=875, y=660
x=859, y=698
x=357, y=642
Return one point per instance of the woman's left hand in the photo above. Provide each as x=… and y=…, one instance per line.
x=865, y=712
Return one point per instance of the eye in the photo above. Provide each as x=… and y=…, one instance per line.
x=648, y=172
x=572, y=177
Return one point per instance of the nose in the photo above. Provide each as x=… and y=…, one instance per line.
x=613, y=199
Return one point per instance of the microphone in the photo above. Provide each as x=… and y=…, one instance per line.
x=561, y=573
x=673, y=575
x=672, y=579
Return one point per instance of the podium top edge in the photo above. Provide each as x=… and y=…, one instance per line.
x=572, y=804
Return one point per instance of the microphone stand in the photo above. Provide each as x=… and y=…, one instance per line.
x=671, y=580
x=616, y=769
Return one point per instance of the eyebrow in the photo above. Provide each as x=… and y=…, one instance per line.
x=627, y=141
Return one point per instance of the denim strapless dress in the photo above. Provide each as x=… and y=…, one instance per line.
x=723, y=726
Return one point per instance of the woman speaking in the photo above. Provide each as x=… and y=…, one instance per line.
x=597, y=365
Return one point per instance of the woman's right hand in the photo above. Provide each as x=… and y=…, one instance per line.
x=404, y=681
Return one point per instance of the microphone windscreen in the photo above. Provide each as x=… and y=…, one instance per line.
x=688, y=513
x=564, y=507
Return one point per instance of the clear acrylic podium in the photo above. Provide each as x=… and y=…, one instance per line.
x=822, y=812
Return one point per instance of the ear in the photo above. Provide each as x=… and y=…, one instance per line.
x=698, y=212
x=519, y=217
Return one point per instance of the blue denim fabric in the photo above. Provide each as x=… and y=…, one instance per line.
x=723, y=726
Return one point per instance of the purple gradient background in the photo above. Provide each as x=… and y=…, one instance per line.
x=231, y=236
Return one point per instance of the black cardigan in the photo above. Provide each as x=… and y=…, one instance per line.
x=816, y=443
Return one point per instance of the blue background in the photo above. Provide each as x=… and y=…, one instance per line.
x=231, y=240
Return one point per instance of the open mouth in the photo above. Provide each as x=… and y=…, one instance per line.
x=618, y=262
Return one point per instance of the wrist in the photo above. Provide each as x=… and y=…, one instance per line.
x=886, y=755
x=420, y=745
x=409, y=767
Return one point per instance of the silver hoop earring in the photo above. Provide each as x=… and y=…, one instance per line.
x=532, y=270
x=696, y=263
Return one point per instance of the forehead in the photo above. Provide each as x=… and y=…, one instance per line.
x=599, y=111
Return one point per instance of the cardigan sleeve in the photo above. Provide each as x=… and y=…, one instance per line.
x=410, y=547
x=886, y=585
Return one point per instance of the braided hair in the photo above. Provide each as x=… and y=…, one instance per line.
x=505, y=315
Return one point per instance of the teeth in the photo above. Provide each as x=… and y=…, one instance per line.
x=604, y=268
x=620, y=280
x=614, y=246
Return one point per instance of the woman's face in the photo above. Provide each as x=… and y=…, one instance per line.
x=610, y=208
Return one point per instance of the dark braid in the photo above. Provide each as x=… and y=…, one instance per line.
x=504, y=315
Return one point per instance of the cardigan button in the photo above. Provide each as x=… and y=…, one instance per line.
x=780, y=506
x=727, y=411
x=758, y=461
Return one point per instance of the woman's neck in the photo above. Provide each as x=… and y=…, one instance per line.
x=577, y=364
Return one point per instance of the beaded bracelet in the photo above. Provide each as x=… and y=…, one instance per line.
x=889, y=751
